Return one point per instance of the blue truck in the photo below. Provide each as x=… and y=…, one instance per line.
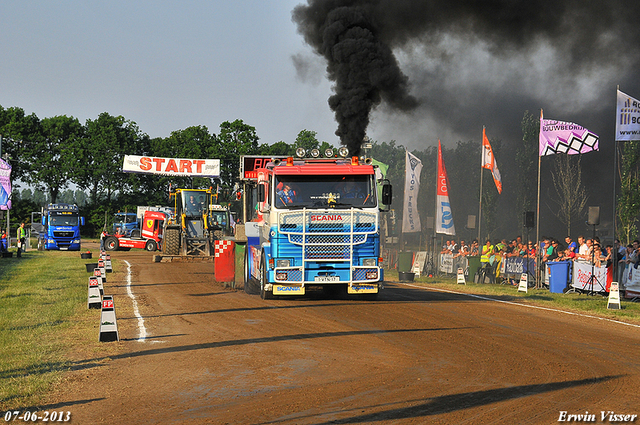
x=129, y=224
x=126, y=223
x=317, y=225
x=61, y=227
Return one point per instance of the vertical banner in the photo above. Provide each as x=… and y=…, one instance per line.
x=627, y=118
x=444, y=217
x=410, y=215
x=489, y=161
x=5, y=185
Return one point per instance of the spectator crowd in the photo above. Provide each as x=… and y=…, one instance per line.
x=586, y=250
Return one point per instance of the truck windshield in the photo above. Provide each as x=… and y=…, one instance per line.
x=324, y=191
x=125, y=218
x=194, y=201
x=219, y=218
x=63, y=220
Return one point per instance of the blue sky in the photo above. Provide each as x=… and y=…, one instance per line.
x=166, y=65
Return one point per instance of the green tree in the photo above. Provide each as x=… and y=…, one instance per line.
x=277, y=149
x=81, y=197
x=100, y=155
x=18, y=131
x=52, y=161
x=234, y=140
x=628, y=203
x=306, y=140
x=526, y=162
x=571, y=194
x=192, y=142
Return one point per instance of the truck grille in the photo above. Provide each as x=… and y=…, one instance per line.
x=328, y=235
x=324, y=252
x=63, y=234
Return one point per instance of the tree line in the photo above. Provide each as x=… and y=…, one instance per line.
x=61, y=159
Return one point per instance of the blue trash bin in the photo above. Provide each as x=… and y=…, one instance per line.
x=559, y=276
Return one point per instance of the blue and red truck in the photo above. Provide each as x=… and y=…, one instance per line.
x=317, y=224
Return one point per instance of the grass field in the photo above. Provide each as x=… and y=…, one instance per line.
x=46, y=328
x=43, y=319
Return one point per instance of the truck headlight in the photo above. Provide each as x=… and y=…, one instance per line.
x=283, y=263
x=369, y=262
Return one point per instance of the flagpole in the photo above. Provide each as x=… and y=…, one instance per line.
x=614, y=278
x=480, y=203
x=435, y=212
x=538, y=256
x=404, y=199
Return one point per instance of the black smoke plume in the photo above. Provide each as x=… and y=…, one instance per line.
x=553, y=51
x=363, y=68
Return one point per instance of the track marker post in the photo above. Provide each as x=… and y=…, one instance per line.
x=93, y=296
x=460, y=278
x=523, y=285
x=614, y=297
x=108, y=323
x=103, y=271
x=98, y=275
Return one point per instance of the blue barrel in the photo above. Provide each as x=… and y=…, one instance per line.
x=559, y=276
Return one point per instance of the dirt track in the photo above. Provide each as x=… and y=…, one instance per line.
x=216, y=355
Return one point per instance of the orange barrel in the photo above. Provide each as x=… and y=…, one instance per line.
x=225, y=254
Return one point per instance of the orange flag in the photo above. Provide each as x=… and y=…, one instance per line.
x=489, y=161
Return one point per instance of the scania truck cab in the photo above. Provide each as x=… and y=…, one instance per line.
x=318, y=225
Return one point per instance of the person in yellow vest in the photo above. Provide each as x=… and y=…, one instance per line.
x=487, y=251
x=22, y=238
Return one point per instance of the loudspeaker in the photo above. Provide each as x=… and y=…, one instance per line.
x=471, y=222
x=430, y=222
x=529, y=219
x=594, y=216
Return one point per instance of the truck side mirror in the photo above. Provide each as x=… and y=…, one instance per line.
x=387, y=193
x=262, y=196
x=81, y=221
x=44, y=220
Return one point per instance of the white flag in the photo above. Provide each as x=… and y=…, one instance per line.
x=410, y=215
x=627, y=118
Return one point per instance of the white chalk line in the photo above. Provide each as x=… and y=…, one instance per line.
x=522, y=305
x=142, y=331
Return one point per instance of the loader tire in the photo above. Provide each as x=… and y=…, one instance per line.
x=172, y=242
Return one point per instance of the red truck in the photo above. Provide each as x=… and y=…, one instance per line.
x=150, y=235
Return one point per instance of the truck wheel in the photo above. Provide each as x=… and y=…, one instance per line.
x=111, y=244
x=264, y=294
x=151, y=245
x=172, y=242
x=250, y=284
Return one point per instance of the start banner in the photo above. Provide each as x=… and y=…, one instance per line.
x=171, y=166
